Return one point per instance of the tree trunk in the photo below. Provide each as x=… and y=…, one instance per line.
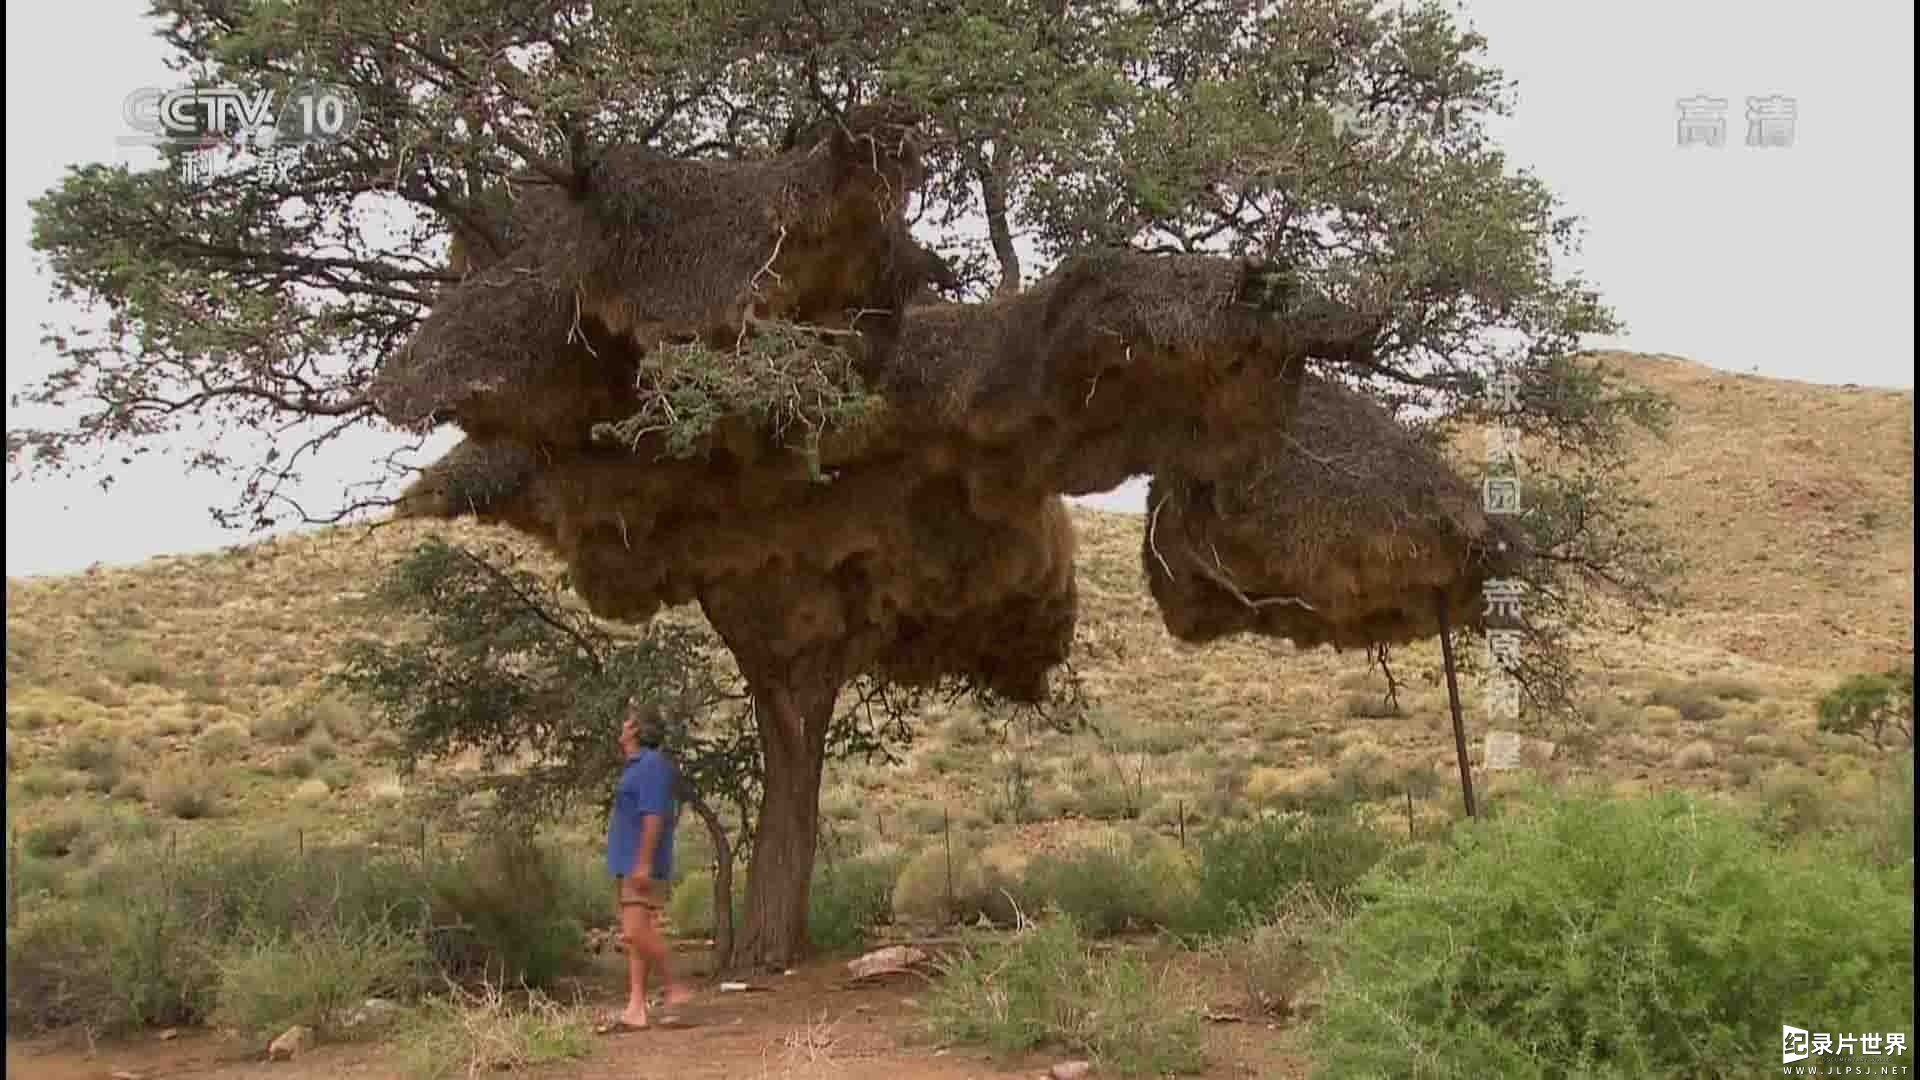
x=722, y=885
x=794, y=711
x=992, y=175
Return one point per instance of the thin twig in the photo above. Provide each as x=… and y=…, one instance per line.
x=1219, y=576
x=1153, y=522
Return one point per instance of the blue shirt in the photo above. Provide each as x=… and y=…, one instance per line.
x=646, y=788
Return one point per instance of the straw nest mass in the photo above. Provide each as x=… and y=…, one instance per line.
x=726, y=382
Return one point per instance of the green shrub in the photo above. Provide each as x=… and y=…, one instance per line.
x=1045, y=988
x=849, y=898
x=110, y=963
x=1245, y=870
x=1276, y=962
x=509, y=910
x=978, y=886
x=1655, y=937
x=270, y=980
x=1124, y=884
x=1106, y=800
x=690, y=908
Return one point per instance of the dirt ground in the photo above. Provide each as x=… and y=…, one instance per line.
x=810, y=1025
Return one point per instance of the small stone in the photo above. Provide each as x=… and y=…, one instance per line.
x=373, y=1011
x=292, y=1042
x=170, y=1034
x=1070, y=1070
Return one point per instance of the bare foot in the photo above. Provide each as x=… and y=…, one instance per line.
x=677, y=995
x=626, y=1021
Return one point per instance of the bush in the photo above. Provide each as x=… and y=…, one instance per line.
x=184, y=795
x=99, y=754
x=1276, y=962
x=1655, y=937
x=1694, y=701
x=72, y=833
x=979, y=887
x=1246, y=870
x=270, y=981
x=109, y=963
x=40, y=781
x=286, y=725
x=224, y=741
x=512, y=916
x=690, y=907
x=848, y=899
x=1046, y=988
x=261, y=929
x=1136, y=884
x=1107, y=800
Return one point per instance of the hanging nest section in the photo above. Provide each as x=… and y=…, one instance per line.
x=541, y=343
x=1342, y=529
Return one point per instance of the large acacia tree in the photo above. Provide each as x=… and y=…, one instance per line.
x=257, y=301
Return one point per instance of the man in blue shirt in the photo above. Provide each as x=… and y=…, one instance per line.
x=640, y=857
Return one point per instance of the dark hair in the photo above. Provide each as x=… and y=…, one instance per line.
x=649, y=727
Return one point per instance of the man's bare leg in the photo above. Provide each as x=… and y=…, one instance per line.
x=660, y=957
x=634, y=932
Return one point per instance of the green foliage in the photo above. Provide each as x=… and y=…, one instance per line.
x=797, y=384
x=691, y=907
x=506, y=666
x=111, y=965
x=269, y=981
x=936, y=888
x=1137, y=882
x=1046, y=988
x=849, y=898
x=1590, y=937
x=263, y=931
x=1277, y=962
x=1872, y=707
x=511, y=918
x=1246, y=871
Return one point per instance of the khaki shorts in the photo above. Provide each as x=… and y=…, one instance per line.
x=656, y=900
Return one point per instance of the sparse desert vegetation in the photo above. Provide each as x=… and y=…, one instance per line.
x=270, y=835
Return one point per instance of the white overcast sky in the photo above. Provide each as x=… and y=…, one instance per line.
x=1795, y=262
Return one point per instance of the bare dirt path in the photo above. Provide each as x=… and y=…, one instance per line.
x=808, y=1026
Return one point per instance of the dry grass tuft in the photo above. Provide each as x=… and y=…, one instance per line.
x=470, y=1033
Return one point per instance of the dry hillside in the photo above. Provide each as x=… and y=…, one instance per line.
x=1791, y=503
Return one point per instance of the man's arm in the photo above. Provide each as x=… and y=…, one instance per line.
x=653, y=808
x=649, y=840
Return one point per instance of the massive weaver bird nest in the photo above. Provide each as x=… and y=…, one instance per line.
x=706, y=382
